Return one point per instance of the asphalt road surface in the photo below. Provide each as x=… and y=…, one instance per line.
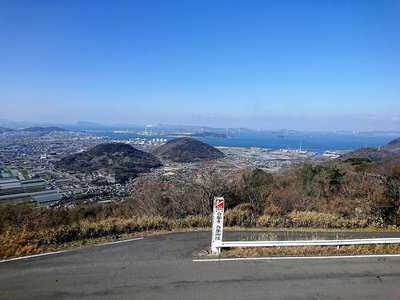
x=161, y=267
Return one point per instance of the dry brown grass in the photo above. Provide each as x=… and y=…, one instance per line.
x=27, y=240
x=311, y=219
x=323, y=220
x=241, y=215
x=23, y=242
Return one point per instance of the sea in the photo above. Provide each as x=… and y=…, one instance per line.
x=317, y=142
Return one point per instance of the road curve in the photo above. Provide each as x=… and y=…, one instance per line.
x=161, y=267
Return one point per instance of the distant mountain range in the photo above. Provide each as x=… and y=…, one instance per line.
x=119, y=159
x=37, y=129
x=43, y=129
x=87, y=125
x=4, y=129
x=187, y=150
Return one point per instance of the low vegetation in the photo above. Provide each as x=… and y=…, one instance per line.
x=25, y=241
x=340, y=195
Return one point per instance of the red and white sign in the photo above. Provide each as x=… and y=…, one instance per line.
x=217, y=224
x=219, y=202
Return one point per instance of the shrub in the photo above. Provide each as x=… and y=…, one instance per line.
x=311, y=219
x=270, y=221
x=323, y=220
x=253, y=186
x=194, y=222
x=241, y=215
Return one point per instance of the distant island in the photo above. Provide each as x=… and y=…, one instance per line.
x=210, y=134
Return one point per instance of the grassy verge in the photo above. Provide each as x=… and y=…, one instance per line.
x=22, y=242
x=37, y=248
x=27, y=241
x=313, y=251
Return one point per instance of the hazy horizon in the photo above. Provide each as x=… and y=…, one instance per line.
x=86, y=125
x=303, y=65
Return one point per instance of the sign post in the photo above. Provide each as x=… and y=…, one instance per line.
x=217, y=225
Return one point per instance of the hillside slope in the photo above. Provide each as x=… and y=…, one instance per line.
x=393, y=146
x=187, y=150
x=383, y=158
x=121, y=159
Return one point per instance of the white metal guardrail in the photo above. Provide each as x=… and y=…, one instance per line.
x=301, y=243
x=217, y=230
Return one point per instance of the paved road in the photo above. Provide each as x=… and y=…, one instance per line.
x=161, y=267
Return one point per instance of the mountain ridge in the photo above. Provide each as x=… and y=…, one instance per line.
x=46, y=129
x=121, y=159
x=187, y=149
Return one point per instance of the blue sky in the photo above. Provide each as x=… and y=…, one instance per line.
x=260, y=64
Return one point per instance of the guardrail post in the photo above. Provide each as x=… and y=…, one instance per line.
x=217, y=225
